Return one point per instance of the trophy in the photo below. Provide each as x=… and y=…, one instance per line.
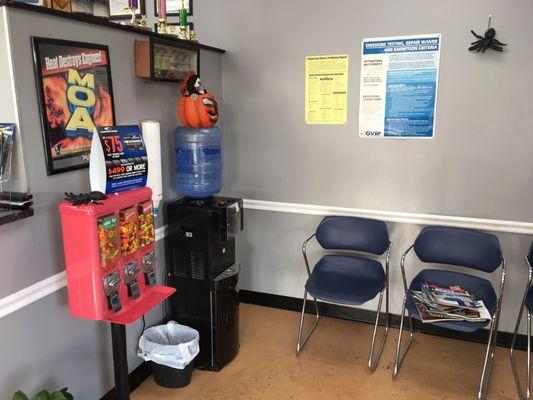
x=185, y=31
x=142, y=22
x=133, y=6
x=162, y=16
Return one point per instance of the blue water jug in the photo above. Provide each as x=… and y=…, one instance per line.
x=198, y=161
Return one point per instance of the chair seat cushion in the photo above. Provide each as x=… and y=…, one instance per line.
x=481, y=288
x=346, y=279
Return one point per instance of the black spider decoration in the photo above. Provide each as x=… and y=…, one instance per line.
x=488, y=41
x=85, y=198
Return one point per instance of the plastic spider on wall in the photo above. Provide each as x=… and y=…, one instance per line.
x=488, y=41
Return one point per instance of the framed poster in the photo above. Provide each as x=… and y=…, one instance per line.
x=174, y=6
x=169, y=62
x=62, y=5
x=75, y=95
x=82, y=6
x=118, y=9
x=101, y=8
x=399, y=82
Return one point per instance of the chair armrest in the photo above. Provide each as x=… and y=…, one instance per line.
x=530, y=276
x=387, y=260
x=304, y=252
x=402, y=266
x=502, y=286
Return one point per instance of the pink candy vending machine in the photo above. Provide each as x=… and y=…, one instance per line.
x=110, y=259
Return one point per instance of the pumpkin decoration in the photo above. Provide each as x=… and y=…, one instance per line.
x=196, y=107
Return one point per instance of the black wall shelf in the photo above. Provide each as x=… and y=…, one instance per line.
x=89, y=19
x=7, y=216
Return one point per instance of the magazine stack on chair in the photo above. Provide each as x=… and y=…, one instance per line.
x=437, y=304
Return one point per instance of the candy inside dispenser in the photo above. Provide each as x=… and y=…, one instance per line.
x=146, y=224
x=108, y=240
x=129, y=242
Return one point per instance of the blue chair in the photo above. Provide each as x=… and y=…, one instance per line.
x=349, y=279
x=465, y=248
x=527, y=303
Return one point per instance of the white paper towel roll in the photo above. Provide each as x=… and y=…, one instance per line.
x=152, y=140
x=97, y=167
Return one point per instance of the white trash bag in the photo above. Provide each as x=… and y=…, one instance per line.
x=173, y=345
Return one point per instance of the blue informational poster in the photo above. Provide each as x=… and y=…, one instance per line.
x=399, y=81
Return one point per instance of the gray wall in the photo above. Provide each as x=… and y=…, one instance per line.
x=477, y=165
x=46, y=346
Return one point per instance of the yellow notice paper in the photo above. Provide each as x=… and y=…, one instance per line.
x=326, y=89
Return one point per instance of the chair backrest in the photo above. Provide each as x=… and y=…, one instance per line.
x=353, y=233
x=462, y=247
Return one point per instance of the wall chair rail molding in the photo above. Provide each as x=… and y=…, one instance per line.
x=31, y=294
x=494, y=225
x=37, y=291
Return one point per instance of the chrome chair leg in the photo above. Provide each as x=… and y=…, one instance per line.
x=400, y=357
x=528, y=382
x=489, y=358
x=372, y=365
x=521, y=394
x=300, y=344
x=494, y=343
x=528, y=377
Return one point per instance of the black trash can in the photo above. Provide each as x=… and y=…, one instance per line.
x=171, y=350
x=171, y=377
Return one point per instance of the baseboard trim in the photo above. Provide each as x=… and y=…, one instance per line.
x=368, y=316
x=136, y=377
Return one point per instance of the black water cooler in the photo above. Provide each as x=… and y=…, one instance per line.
x=200, y=254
